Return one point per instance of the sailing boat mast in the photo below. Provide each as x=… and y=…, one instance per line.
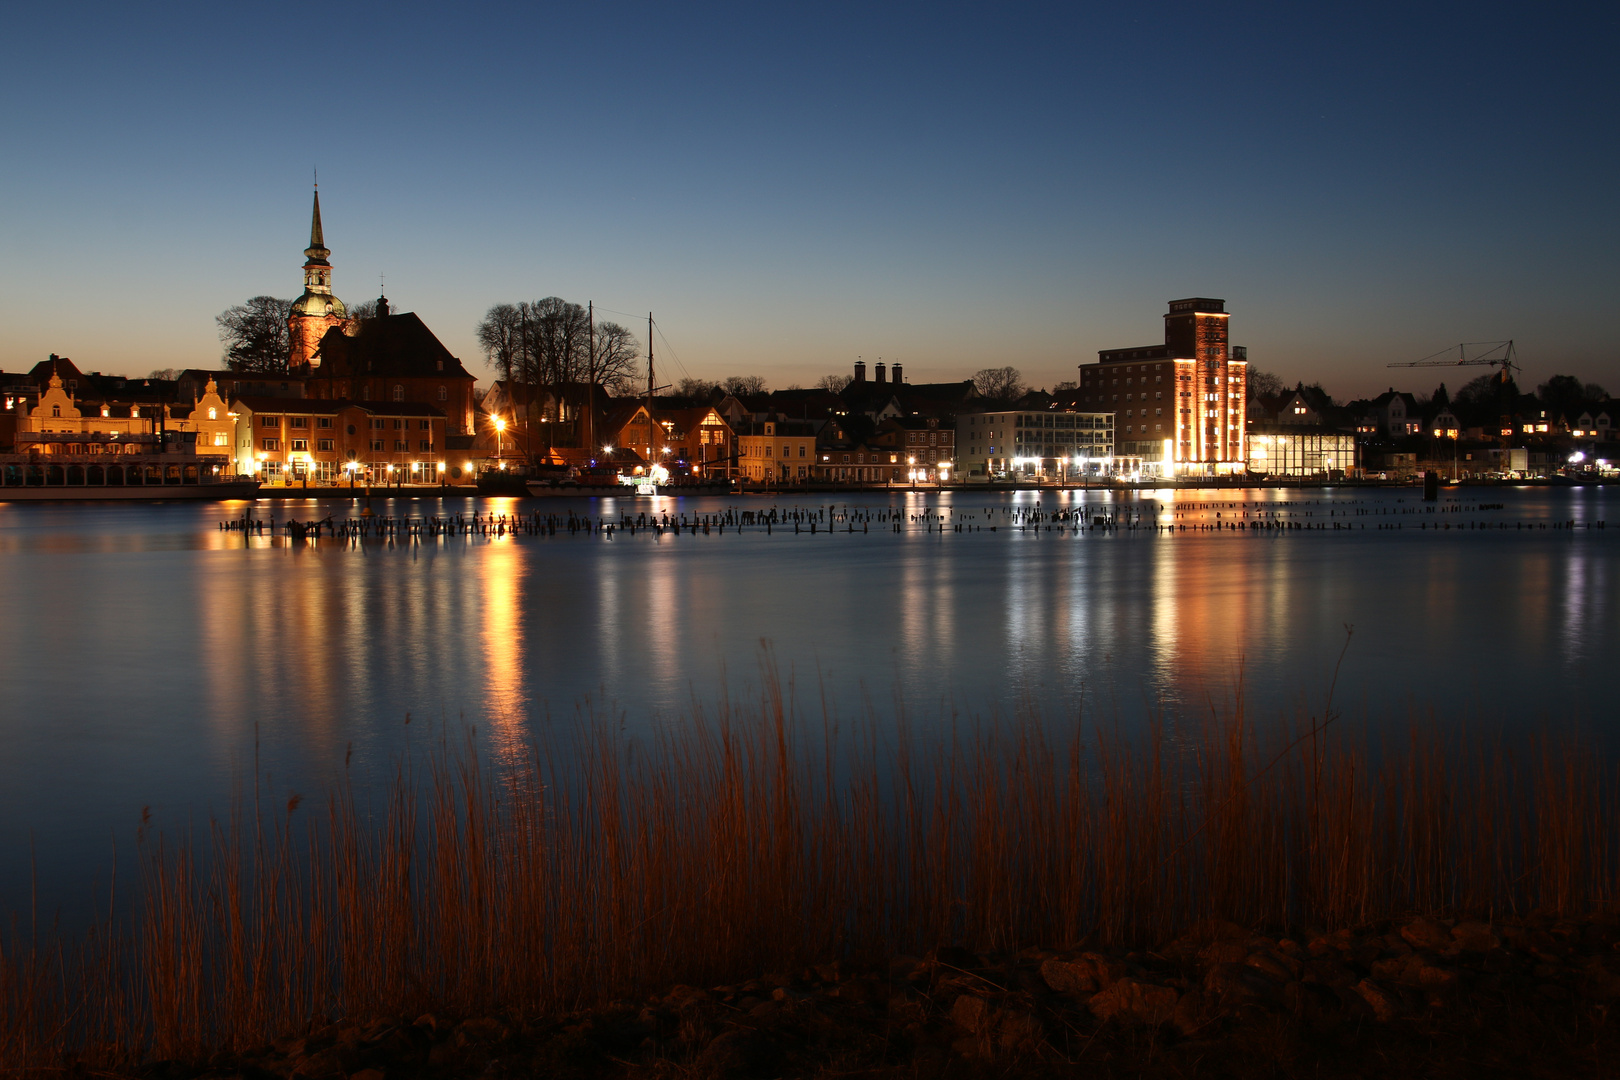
x=590, y=383
x=650, y=385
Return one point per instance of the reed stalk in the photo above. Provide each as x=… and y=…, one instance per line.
x=755, y=842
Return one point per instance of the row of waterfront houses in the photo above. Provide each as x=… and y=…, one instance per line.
x=380, y=399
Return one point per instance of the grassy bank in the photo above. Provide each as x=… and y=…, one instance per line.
x=749, y=842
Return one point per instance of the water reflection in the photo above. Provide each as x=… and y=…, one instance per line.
x=502, y=581
x=147, y=653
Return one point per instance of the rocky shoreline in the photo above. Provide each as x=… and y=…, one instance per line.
x=1413, y=997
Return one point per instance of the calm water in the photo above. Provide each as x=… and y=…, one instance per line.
x=144, y=653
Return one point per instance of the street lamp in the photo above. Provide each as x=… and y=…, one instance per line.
x=912, y=461
x=500, y=428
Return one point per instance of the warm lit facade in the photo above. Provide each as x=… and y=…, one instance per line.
x=923, y=441
x=696, y=440
x=1179, y=407
x=776, y=450
x=63, y=424
x=322, y=441
x=1301, y=450
x=1005, y=444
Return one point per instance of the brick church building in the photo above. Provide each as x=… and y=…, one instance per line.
x=388, y=357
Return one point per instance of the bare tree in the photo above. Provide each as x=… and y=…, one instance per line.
x=167, y=374
x=365, y=309
x=557, y=339
x=999, y=384
x=1067, y=384
x=739, y=385
x=834, y=384
x=695, y=388
x=255, y=334
x=618, y=358
x=499, y=337
x=1264, y=384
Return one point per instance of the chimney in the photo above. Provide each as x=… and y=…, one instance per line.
x=880, y=369
x=897, y=374
x=860, y=371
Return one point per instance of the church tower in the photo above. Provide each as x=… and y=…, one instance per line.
x=317, y=310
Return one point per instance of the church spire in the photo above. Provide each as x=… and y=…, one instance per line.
x=317, y=242
x=317, y=250
x=317, y=311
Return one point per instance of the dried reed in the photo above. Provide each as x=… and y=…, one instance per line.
x=750, y=843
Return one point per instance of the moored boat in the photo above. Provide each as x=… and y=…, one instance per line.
x=117, y=478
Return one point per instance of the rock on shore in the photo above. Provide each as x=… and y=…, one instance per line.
x=1415, y=997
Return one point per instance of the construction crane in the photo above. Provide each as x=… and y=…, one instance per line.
x=1494, y=353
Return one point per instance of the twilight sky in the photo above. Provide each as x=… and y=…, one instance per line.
x=789, y=186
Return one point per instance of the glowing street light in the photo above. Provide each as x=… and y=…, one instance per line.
x=500, y=429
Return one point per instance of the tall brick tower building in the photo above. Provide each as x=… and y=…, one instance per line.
x=317, y=311
x=1180, y=406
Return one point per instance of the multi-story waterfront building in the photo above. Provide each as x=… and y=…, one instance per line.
x=1179, y=406
x=850, y=449
x=64, y=423
x=1049, y=443
x=924, y=443
x=291, y=440
x=693, y=441
x=392, y=357
x=776, y=450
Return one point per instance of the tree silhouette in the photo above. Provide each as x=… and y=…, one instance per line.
x=256, y=336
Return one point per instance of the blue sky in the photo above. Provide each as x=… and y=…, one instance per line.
x=789, y=186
